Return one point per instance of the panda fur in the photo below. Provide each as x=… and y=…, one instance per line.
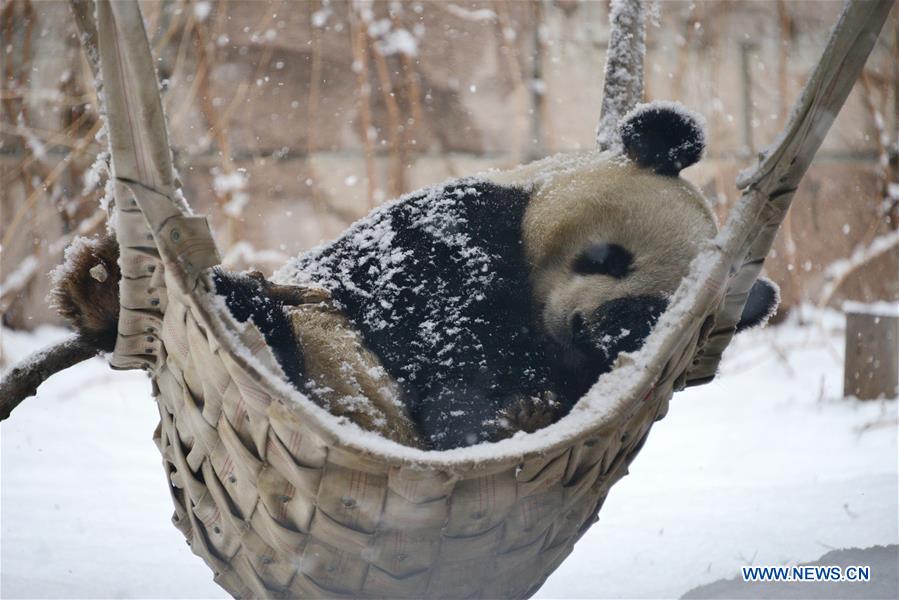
x=247, y=299
x=492, y=303
x=437, y=283
x=85, y=292
x=468, y=292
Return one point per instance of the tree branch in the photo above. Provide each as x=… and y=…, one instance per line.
x=24, y=379
x=623, y=86
x=83, y=11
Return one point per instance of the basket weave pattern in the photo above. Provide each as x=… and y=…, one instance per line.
x=279, y=504
x=277, y=510
x=274, y=500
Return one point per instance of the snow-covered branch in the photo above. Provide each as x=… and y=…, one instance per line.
x=16, y=281
x=24, y=379
x=623, y=87
x=837, y=272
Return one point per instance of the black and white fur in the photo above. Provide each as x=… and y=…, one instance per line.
x=438, y=284
x=527, y=284
x=486, y=298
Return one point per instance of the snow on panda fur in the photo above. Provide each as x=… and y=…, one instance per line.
x=468, y=311
x=496, y=302
x=437, y=284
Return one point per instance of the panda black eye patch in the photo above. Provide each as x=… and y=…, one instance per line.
x=604, y=259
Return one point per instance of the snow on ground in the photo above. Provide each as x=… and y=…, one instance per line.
x=766, y=465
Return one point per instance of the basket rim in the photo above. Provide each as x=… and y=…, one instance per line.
x=142, y=159
x=599, y=412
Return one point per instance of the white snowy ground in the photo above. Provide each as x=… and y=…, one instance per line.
x=766, y=465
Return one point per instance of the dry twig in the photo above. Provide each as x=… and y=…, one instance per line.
x=23, y=381
x=397, y=151
x=359, y=42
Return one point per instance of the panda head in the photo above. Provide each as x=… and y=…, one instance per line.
x=609, y=236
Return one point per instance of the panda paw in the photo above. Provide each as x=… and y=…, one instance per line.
x=663, y=136
x=291, y=295
x=528, y=414
x=85, y=290
x=761, y=304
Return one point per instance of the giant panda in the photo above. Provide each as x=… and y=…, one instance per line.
x=495, y=302
x=516, y=288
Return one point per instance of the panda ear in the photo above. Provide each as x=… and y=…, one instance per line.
x=663, y=136
x=762, y=303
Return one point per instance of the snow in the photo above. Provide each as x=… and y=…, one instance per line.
x=611, y=395
x=84, y=503
x=34, y=143
x=481, y=14
x=98, y=172
x=389, y=41
x=202, y=10
x=231, y=185
x=861, y=254
x=225, y=183
x=893, y=190
x=398, y=41
x=373, y=237
x=765, y=465
x=879, y=309
x=68, y=264
x=623, y=85
x=19, y=277
x=244, y=254
x=320, y=17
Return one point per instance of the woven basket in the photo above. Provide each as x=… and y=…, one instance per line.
x=282, y=499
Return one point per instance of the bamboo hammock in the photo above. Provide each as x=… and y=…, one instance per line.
x=281, y=499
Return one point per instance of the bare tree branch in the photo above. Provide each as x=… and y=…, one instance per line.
x=24, y=379
x=83, y=11
x=359, y=46
x=623, y=87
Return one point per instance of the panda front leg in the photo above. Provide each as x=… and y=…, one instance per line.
x=344, y=377
x=311, y=340
x=321, y=352
x=86, y=293
x=290, y=295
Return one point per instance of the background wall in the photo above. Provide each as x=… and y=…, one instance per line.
x=291, y=119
